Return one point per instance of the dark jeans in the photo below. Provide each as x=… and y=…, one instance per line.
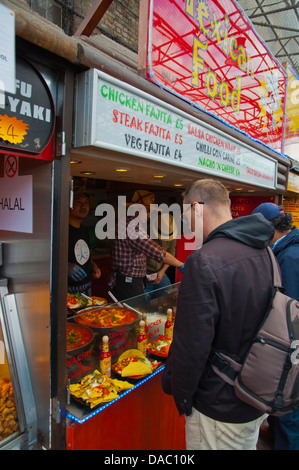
x=127, y=286
x=286, y=430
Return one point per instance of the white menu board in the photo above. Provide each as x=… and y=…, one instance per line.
x=114, y=115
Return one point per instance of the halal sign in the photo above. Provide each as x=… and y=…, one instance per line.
x=27, y=117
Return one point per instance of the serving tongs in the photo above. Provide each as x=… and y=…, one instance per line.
x=114, y=299
x=93, y=302
x=122, y=305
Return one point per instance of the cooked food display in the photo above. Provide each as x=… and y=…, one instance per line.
x=77, y=336
x=74, y=301
x=98, y=301
x=8, y=413
x=106, y=317
x=160, y=347
x=133, y=363
x=96, y=388
x=77, y=300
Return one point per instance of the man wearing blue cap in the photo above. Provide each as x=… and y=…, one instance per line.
x=285, y=246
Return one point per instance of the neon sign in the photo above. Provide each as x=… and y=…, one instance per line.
x=292, y=116
x=207, y=52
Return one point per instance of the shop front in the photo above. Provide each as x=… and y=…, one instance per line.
x=27, y=125
x=31, y=172
x=291, y=197
x=130, y=134
x=290, y=200
x=121, y=127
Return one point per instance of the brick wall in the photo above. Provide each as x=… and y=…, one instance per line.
x=120, y=21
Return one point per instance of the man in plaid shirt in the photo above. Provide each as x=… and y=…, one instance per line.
x=130, y=252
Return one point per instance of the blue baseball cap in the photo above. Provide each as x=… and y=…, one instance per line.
x=269, y=210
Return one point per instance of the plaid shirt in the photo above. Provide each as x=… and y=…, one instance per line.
x=130, y=252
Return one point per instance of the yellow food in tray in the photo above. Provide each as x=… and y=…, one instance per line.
x=8, y=413
x=133, y=363
x=96, y=388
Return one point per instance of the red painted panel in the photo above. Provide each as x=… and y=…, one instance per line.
x=145, y=419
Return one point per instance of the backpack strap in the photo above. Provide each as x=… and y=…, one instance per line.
x=223, y=365
x=276, y=276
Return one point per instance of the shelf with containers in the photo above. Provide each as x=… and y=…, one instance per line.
x=18, y=416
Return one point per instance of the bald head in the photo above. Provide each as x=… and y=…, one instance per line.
x=211, y=192
x=215, y=203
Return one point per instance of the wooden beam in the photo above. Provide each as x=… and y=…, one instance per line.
x=142, y=36
x=93, y=17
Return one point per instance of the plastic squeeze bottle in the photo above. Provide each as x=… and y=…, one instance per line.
x=105, y=358
x=169, y=325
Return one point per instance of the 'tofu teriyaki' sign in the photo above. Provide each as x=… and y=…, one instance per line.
x=27, y=117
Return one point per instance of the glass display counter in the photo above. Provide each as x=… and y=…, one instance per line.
x=9, y=425
x=18, y=420
x=140, y=416
x=83, y=359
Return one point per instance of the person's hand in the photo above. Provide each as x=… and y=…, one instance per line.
x=182, y=268
x=96, y=272
x=159, y=277
x=75, y=272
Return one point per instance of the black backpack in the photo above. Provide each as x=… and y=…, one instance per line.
x=268, y=378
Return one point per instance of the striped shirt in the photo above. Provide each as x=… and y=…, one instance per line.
x=131, y=249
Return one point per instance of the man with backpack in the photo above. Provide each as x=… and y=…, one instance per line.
x=225, y=291
x=285, y=246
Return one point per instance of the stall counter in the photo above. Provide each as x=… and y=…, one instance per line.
x=144, y=419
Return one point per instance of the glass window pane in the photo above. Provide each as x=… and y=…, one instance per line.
x=8, y=412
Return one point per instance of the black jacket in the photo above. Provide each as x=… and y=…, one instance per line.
x=224, y=294
x=287, y=252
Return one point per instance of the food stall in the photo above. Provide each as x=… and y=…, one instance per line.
x=26, y=154
x=291, y=197
x=128, y=132
x=32, y=197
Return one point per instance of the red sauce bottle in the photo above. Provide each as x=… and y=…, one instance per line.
x=105, y=358
x=169, y=325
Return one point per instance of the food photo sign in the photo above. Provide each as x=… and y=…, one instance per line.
x=148, y=127
x=27, y=116
x=207, y=52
